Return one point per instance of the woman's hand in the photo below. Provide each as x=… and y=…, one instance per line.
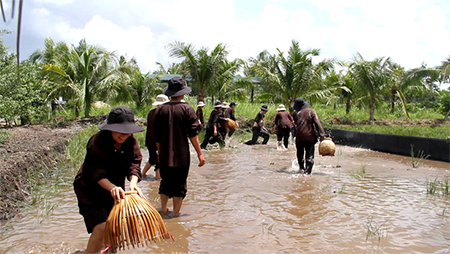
x=117, y=193
x=139, y=192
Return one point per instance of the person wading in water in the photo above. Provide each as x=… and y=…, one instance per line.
x=175, y=122
x=283, y=124
x=259, y=128
x=112, y=155
x=309, y=129
x=212, y=134
x=150, y=138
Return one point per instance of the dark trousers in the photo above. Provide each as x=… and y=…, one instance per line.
x=153, y=156
x=305, y=152
x=283, y=134
x=259, y=132
x=210, y=138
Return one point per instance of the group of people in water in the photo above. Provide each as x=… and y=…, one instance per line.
x=113, y=154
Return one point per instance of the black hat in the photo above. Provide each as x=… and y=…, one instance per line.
x=264, y=108
x=121, y=119
x=176, y=87
x=299, y=104
x=233, y=104
x=218, y=104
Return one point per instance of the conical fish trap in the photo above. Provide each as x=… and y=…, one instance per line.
x=134, y=221
x=327, y=147
x=230, y=125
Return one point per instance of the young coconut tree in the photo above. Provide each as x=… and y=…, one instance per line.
x=371, y=77
x=202, y=66
x=295, y=75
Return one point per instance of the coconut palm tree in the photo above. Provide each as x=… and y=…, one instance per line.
x=371, y=77
x=81, y=73
x=227, y=84
x=295, y=75
x=345, y=89
x=202, y=66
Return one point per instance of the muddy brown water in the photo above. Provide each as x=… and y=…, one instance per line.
x=249, y=199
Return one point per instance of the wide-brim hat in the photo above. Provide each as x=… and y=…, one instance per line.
x=225, y=105
x=299, y=104
x=201, y=104
x=281, y=107
x=264, y=108
x=160, y=99
x=121, y=119
x=177, y=87
x=217, y=104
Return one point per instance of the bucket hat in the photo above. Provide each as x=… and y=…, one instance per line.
x=200, y=104
x=233, y=104
x=121, y=119
x=160, y=99
x=281, y=107
x=264, y=108
x=218, y=104
x=177, y=87
x=299, y=104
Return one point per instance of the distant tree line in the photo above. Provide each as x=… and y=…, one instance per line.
x=85, y=73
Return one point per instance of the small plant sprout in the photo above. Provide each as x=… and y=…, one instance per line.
x=416, y=160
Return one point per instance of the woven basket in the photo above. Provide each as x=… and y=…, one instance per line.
x=230, y=125
x=134, y=221
x=327, y=147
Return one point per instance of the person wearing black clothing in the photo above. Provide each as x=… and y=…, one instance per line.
x=212, y=129
x=199, y=114
x=258, y=127
x=230, y=115
x=112, y=155
x=308, y=131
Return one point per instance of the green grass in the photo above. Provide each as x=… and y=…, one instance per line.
x=4, y=135
x=438, y=187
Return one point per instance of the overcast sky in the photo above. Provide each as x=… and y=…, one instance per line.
x=411, y=32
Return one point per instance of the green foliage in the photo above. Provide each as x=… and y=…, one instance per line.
x=293, y=74
x=437, y=186
x=4, y=135
x=444, y=102
x=76, y=150
x=25, y=98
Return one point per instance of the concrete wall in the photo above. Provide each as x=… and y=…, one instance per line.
x=437, y=149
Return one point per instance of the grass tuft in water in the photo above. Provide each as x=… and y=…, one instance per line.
x=375, y=231
x=438, y=187
x=359, y=173
x=416, y=160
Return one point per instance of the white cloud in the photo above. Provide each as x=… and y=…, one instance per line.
x=409, y=33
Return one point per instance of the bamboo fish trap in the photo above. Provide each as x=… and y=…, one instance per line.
x=134, y=221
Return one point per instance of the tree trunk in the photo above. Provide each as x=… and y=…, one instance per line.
x=446, y=116
x=372, y=108
x=252, y=95
x=201, y=93
x=392, y=101
x=347, y=106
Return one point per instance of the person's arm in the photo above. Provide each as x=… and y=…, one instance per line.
x=196, y=144
x=116, y=191
x=316, y=122
x=133, y=186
